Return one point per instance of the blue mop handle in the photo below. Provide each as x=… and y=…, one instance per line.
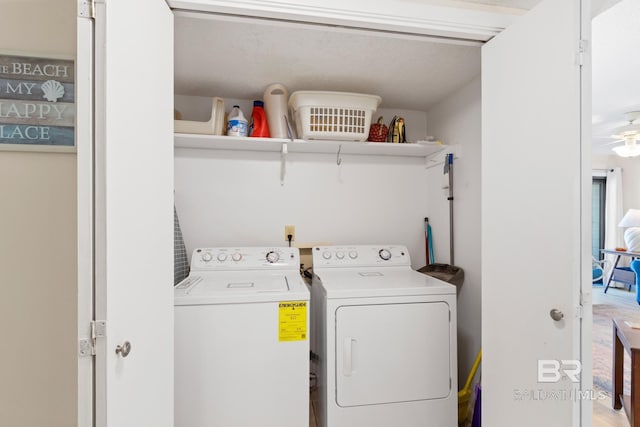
x=430, y=243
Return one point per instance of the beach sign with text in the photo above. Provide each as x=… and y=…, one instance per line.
x=37, y=101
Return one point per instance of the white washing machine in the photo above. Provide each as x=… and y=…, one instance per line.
x=241, y=340
x=385, y=340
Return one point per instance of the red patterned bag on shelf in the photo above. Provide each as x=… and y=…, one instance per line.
x=378, y=131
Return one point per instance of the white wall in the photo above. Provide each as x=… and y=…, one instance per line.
x=226, y=198
x=630, y=177
x=38, y=248
x=456, y=121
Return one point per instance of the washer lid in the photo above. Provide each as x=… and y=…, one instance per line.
x=221, y=288
x=373, y=282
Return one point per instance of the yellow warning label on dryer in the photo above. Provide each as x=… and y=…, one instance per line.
x=292, y=321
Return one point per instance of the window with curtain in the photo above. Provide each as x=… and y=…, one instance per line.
x=598, y=193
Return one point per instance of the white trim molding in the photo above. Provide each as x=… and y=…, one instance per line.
x=402, y=17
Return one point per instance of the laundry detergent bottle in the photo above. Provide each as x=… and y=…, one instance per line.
x=259, y=128
x=237, y=124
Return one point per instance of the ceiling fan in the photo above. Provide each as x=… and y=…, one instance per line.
x=629, y=134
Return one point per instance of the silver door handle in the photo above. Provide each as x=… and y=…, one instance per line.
x=124, y=349
x=556, y=314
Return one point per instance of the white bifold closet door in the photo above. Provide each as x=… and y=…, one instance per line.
x=534, y=214
x=133, y=170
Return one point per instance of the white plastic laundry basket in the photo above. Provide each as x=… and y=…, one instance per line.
x=333, y=115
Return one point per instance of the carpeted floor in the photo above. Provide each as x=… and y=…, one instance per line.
x=608, y=308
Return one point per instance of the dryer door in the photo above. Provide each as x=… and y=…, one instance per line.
x=388, y=353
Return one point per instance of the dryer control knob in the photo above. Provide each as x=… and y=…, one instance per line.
x=385, y=254
x=206, y=257
x=353, y=254
x=222, y=257
x=273, y=256
x=236, y=256
x=326, y=255
x=340, y=255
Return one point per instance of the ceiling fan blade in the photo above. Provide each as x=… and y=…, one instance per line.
x=617, y=141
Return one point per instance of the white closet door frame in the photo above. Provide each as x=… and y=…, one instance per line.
x=471, y=25
x=84, y=177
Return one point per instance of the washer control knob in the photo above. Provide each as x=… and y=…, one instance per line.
x=353, y=254
x=222, y=257
x=384, y=254
x=326, y=255
x=340, y=255
x=273, y=256
x=237, y=256
x=206, y=257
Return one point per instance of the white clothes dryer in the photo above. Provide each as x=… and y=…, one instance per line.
x=241, y=340
x=384, y=336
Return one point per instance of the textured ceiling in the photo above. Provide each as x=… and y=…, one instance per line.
x=413, y=73
x=239, y=60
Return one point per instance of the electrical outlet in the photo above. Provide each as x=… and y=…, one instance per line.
x=289, y=229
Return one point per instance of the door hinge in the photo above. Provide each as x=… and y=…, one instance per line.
x=87, y=346
x=582, y=49
x=86, y=9
x=579, y=312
